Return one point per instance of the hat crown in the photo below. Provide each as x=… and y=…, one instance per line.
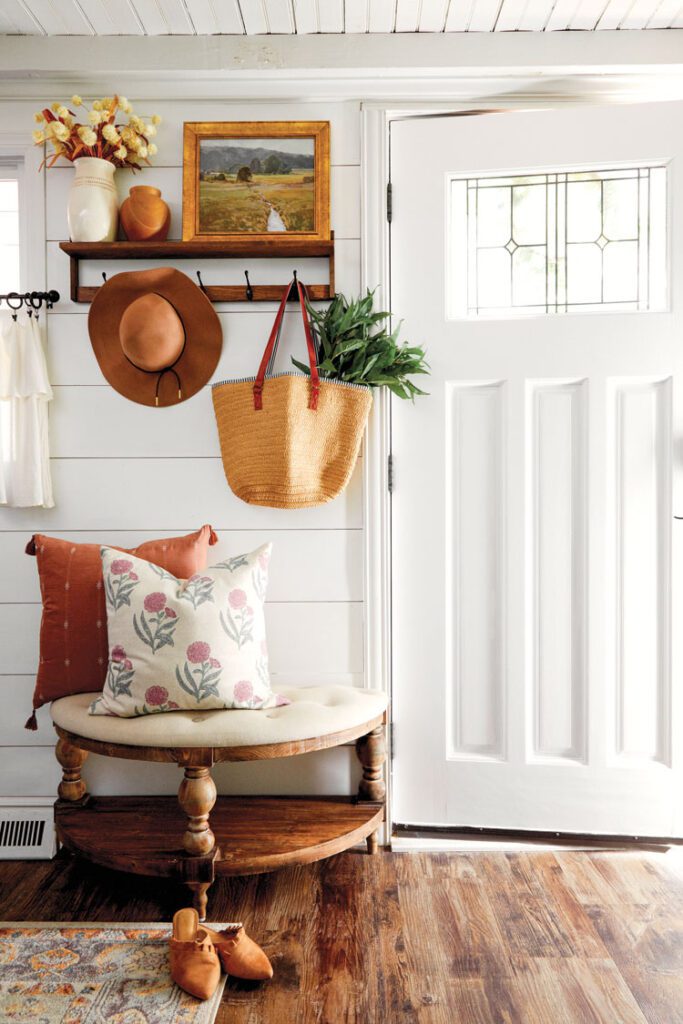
x=151, y=333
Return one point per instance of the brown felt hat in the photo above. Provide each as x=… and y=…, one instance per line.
x=156, y=335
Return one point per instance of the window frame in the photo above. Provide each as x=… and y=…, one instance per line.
x=27, y=158
x=507, y=313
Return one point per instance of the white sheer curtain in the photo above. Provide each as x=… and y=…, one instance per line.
x=25, y=391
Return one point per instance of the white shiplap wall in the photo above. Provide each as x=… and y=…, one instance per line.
x=123, y=473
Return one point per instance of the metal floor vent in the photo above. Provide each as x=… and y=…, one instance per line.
x=26, y=835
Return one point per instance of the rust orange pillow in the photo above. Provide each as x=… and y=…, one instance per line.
x=73, y=629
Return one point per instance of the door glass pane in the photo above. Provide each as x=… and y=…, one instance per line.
x=559, y=242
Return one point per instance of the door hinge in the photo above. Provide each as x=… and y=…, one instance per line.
x=390, y=204
x=390, y=474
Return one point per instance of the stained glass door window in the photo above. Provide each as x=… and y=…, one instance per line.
x=559, y=242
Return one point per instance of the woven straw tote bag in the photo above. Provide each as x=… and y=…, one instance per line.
x=289, y=440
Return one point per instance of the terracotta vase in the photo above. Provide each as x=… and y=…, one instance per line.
x=92, y=208
x=144, y=215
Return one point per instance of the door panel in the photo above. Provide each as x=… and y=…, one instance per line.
x=536, y=560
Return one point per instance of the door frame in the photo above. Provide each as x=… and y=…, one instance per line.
x=376, y=119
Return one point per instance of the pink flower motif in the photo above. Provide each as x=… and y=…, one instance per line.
x=155, y=602
x=263, y=560
x=198, y=652
x=118, y=653
x=194, y=577
x=120, y=566
x=237, y=598
x=170, y=613
x=280, y=701
x=172, y=704
x=133, y=576
x=206, y=579
x=128, y=664
x=214, y=663
x=155, y=696
x=243, y=690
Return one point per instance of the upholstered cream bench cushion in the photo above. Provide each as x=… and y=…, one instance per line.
x=314, y=711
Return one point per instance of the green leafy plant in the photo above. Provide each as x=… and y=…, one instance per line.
x=355, y=345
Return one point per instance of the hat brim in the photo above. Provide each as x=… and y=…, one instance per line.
x=203, y=335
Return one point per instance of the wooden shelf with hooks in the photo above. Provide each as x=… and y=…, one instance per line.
x=272, y=248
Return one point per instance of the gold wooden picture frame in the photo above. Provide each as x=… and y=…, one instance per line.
x=252, y=180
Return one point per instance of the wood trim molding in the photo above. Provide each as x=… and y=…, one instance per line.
x=377, y=499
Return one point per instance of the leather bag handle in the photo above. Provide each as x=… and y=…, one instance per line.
x=274, y=339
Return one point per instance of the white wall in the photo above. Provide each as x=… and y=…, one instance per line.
x=123, y=473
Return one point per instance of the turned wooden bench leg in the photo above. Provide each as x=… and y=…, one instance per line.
x=72, y=786
x=372, y=753
x=196, y=796
x=200, y=896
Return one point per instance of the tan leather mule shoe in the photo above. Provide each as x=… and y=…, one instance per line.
x=241, y=956
x=194, y=961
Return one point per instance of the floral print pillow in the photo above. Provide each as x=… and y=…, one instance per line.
x=193, y=644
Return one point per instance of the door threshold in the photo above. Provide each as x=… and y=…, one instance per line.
x=469, y=839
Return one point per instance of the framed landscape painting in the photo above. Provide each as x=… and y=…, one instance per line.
x=256, y=179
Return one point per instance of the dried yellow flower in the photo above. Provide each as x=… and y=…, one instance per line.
x=156, y=119
x=142, y=151
x=77, y=101
x=38, y=137
x=152, y=149
x=94, y=117
x=150, y=131
x=54, y=107
x=110, y=134
x=60, y=131
x=125, y=105
x=87, y=135
x=97, y=105
x=39, y=118
x=121, y=153
x=63, y=112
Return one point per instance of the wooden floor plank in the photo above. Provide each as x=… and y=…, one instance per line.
x=533, y=937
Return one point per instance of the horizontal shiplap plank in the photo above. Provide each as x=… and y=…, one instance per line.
x=344, y=197
x=72, y=362
x=307, y=639
x=261, y=271
x=29, y=771
x=17, y=701
x=167, y=494
x=307, y=565
x=26, y=771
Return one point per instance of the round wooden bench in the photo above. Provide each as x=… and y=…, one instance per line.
x=204, y=836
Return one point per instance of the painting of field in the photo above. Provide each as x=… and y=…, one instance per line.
x=257, y=186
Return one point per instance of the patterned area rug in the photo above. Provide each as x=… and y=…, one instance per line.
x=93, y=974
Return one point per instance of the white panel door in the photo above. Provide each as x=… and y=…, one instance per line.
x=536, y=565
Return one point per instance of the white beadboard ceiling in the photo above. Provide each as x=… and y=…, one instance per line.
x=290, y=17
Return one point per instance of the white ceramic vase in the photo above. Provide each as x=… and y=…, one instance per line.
x=92, y=210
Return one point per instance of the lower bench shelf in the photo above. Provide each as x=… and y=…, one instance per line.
x=253, y=834
x=201, y=836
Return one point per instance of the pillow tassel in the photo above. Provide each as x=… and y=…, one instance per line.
x=32, y=722
x=213, y=537
x=30, y=548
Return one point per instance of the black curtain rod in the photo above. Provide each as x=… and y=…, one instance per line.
x=34, y=300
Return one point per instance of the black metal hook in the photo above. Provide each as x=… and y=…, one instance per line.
x=104, y=276
x=250, y=290
x=201, y=283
